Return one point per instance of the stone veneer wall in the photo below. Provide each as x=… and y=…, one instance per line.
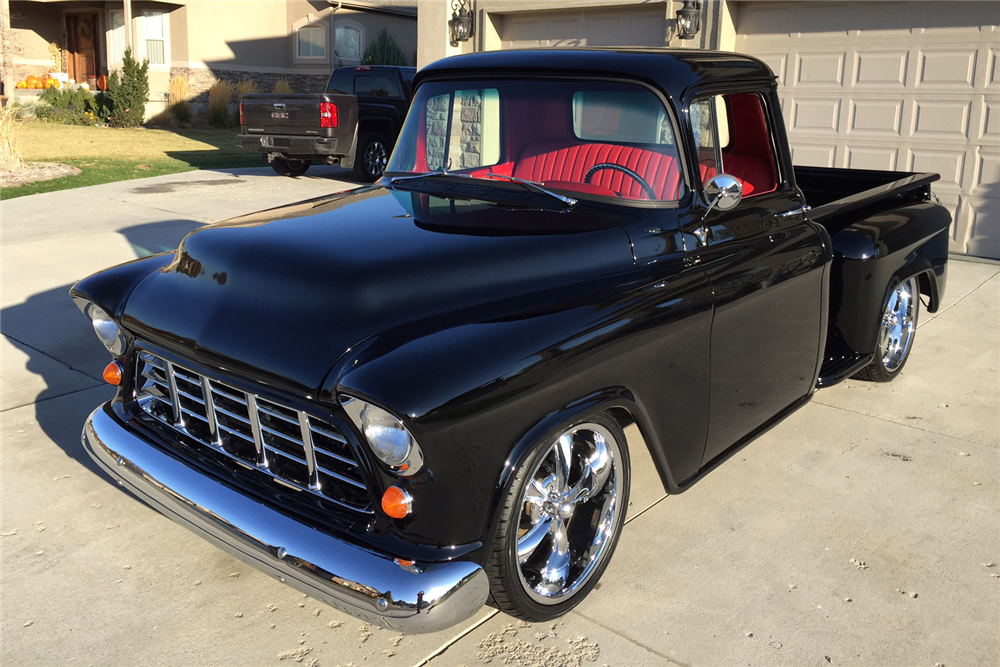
x=464, y=145
x=200, y=80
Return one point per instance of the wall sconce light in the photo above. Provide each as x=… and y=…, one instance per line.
x=689, y=19
x=461, y=26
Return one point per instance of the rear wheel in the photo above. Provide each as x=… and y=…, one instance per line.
x=561, y=521
x=896, y=333
x=371, y=157
x=289, y=167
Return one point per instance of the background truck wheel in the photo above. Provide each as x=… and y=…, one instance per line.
x=287, y=167
x=561, y=521
x=371, y=158
x=895, y=337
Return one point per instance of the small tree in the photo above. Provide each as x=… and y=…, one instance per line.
x=129, y=93
x=384, y=50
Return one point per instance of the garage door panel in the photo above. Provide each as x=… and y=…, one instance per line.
x=949, y=163
x=876, y=118
x=942, y=120
x=642, y=26
x=819, y=116
x=873, y=69
x=947, y=69
x=885, y=159
x=994, y=70
x=984, y=227
x=805, y=155
x=819, y=70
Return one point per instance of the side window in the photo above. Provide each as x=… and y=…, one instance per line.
x=463, y=130
x=732, y=136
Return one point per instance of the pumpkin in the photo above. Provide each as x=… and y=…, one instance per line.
x=84, y=86
x=52, y=83
x=39, y=85
x=21, y=84
x=30, y=81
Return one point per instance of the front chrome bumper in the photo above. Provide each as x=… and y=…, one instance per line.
x=354, y=580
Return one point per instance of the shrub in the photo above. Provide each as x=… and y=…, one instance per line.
x=383, y=50
x=129, y=92
x=283, y=87
x=182, y=113
x=219, y=96
x=70, y=107
x=10, y=156
x=178, y=90
x=246, y=87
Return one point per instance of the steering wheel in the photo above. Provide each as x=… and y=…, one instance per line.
x=647, y=188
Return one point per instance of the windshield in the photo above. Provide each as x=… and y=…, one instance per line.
x=584, y=138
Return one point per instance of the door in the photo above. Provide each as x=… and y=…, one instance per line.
x=766, y=264
x=81, y=31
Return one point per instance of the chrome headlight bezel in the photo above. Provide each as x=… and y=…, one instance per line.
x=106, y=329
x=386, y=435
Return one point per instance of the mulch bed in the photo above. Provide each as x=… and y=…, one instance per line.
x=36, y=171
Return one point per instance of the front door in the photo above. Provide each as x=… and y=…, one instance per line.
x=766, y=265
x=81, y=47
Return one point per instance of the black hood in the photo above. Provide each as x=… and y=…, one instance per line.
x=287, y=292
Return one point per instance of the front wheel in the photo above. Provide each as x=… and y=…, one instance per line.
x=289, y=167
x=371, y=157
x=561, y=521
x=896, y=333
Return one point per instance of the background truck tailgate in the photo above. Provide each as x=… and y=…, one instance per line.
x=297, y=114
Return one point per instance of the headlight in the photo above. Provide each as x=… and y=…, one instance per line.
x=386, y=436
x=105, y=327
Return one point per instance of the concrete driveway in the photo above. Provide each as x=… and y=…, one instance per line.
x=862, y=530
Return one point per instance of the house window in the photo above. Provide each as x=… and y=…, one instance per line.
x=154, y=32
x=311, y=41
x=349, y=42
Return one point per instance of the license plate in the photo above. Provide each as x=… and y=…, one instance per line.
x=279, y=114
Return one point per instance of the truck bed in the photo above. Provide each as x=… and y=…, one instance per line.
x=841, y=196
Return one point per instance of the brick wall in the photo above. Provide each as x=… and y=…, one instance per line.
x=200, y=80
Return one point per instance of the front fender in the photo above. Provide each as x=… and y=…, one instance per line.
x=111, y=288
x=476, y=395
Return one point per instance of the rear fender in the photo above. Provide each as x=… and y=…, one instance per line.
x=872, y=256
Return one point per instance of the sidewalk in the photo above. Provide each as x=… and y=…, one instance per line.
x=859, y=531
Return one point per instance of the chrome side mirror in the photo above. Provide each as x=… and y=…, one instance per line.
x=724, y=191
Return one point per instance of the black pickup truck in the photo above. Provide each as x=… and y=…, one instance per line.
x=409, y=400
x=354, y=123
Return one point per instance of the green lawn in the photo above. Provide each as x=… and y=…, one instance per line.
x=106, y=154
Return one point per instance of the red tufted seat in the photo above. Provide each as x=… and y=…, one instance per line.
x=552, y=161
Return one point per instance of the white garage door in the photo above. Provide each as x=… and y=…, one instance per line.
x=625, y=26
x=917, y=89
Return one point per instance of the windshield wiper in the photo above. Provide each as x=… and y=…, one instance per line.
x=537, y=187
x=530, y=185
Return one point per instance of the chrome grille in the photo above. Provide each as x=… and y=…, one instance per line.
x=286, y=444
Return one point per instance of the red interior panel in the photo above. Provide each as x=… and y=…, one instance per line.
x=550, y=161
x=748, y=157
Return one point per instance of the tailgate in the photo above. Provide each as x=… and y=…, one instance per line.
x=298, y=115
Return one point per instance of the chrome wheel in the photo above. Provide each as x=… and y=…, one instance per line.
x=376, y=158
x=899, y=323
x=567, y=513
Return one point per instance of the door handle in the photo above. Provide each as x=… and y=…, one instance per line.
x=794, y=211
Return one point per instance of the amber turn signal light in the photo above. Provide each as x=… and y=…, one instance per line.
x=113, y=373
x=397, y=503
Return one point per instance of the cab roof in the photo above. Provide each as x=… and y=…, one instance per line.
x=672, y=70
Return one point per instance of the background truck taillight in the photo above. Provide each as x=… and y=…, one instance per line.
x=327, y=114
x=241, y=113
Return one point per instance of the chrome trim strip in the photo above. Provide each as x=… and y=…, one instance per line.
x=174, y=400
x=307, y=441
x=356, y=581
x=258, y=437
x=213, y=423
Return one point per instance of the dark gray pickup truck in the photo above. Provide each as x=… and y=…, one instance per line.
x=354, y=123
